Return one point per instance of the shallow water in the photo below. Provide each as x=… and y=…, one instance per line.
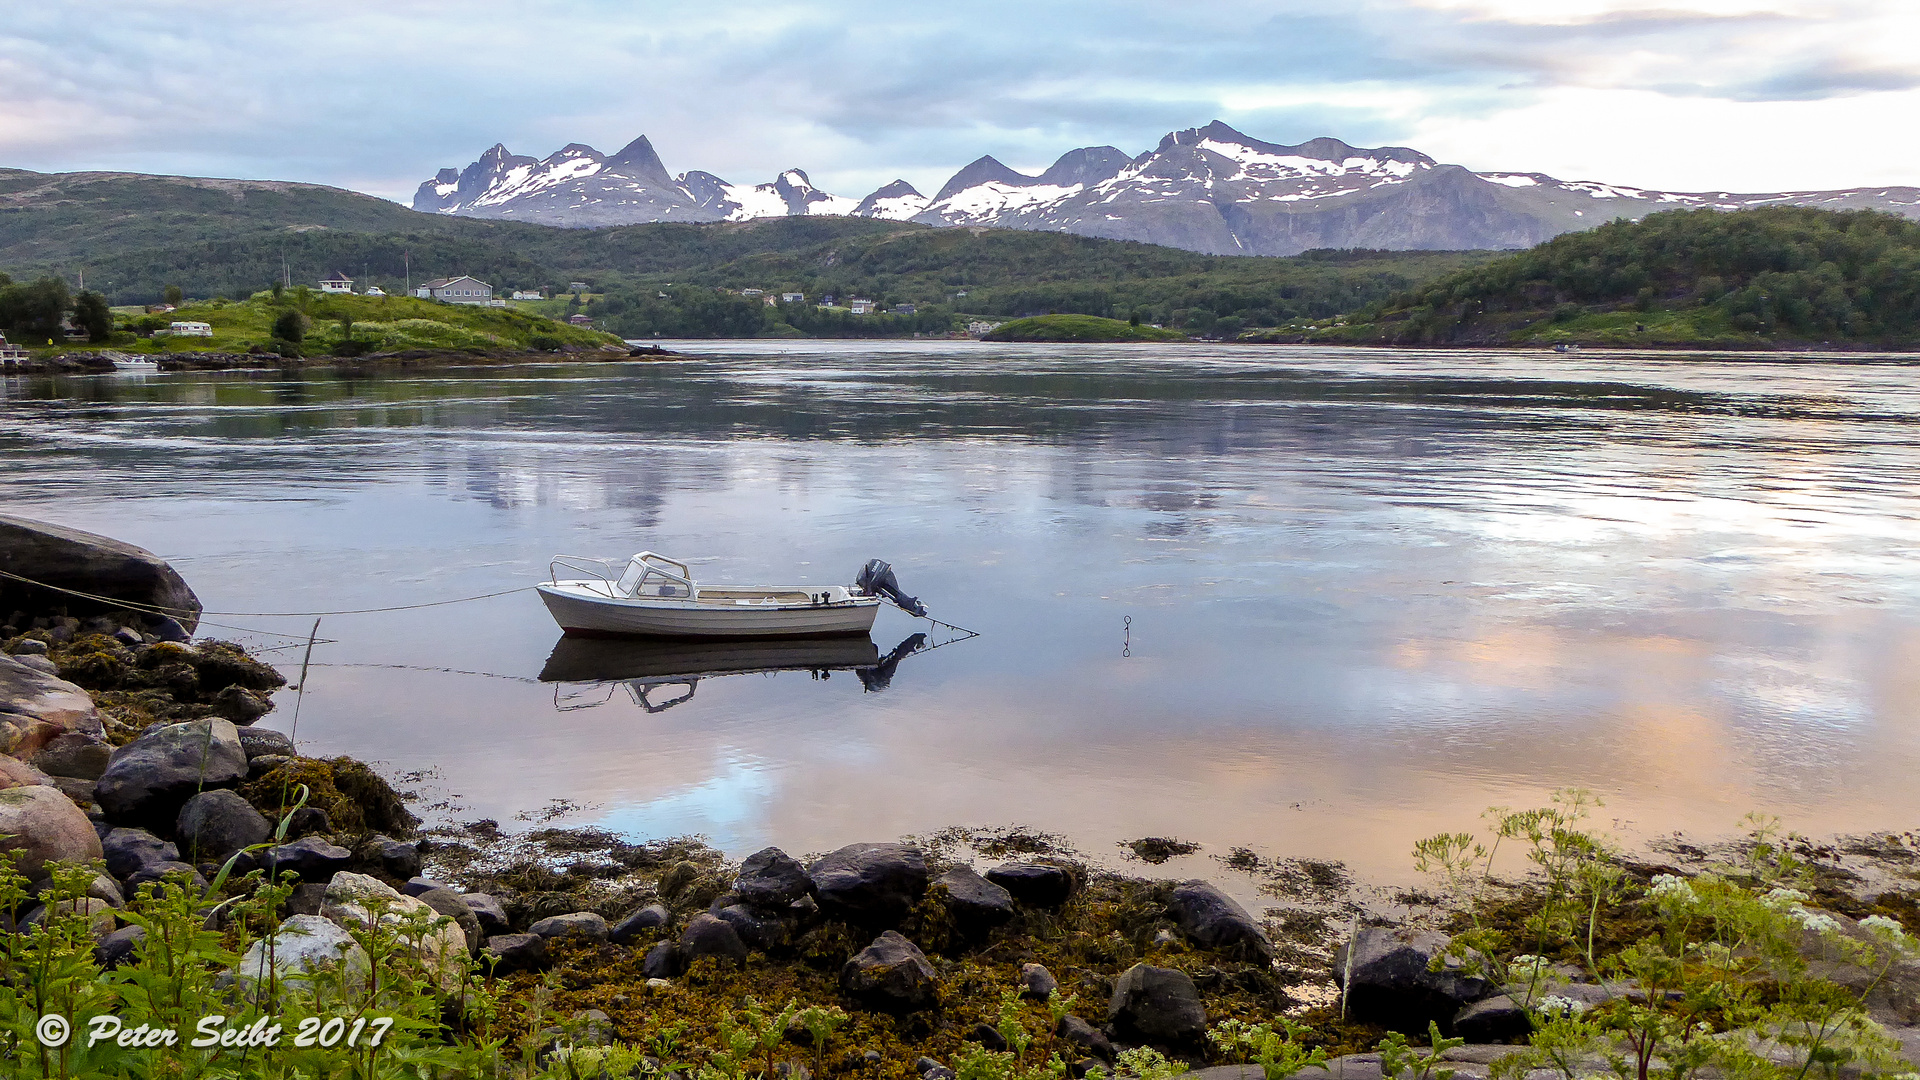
x=1310, y=601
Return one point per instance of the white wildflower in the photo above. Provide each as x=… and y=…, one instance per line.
x=1671, y=888
x=1780, y=899
x=1527, y=966
x=1880, y=924
x=1816, y=921
x=1556, y=1005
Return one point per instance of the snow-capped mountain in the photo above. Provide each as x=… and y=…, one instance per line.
x=1209, y=189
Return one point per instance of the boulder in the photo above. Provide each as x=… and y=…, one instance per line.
x=102, y=887
x=1157, y=1005
x=215, y=824
x=165, y=871
x=311, y=857
x=662, y=961
x=357, y=900
x=127, y=850
x=1088, y=1038
x=891, y=975
x=757, y=928
x=147, y=780
x=1037, y=982
x=308, y=821
x=987, y=1035
x=453, y=906
x=307, y=898
x=653, y=916
x=770, y=878
x=74, y=753
x=37, y=707
x=80, y=791
x=1214, y=920
x=710, y=935
x=976, y=904
x=260, y=742
x=1034, y=884
x=45, y=827
x=578, y=924
x=417, y=885
x=16, y=773
x=40, y=664
x=397, y=858
x=491, y=913
x=241, y=705
x=870, y=884
x=98, y=913
x=89, y=563
x=300, y=948
x=1392, y=984
x=118, y=947
x=516, y=952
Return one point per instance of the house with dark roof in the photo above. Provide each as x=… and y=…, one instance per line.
x=337, y=283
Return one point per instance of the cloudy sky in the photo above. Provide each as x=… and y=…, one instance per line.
x=376, y=95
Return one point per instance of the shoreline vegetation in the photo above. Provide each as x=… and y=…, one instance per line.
x=169, y=859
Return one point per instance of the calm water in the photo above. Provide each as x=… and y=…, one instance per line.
x=1316, y=602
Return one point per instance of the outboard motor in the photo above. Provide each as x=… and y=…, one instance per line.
x=876, y=579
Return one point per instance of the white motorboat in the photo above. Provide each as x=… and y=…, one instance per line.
x=656, y=596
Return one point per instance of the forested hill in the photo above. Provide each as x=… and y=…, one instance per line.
x=1782, y=275
x=132, y=236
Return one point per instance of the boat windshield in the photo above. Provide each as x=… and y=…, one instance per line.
x=630, y=581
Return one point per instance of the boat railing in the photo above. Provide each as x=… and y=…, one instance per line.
x=584, y=565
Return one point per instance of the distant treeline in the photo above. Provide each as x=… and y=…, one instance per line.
x=1779, y=272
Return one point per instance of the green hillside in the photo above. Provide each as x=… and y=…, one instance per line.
x=1078, y=328
x=1782, y=275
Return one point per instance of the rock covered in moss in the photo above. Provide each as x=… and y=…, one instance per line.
x=1157, y=1005
x=147, y=780
x=891, y=975
x=870, y=884
x=45, y=827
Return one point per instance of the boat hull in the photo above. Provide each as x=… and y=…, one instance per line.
x=581, y=613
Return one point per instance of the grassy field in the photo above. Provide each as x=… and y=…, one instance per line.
x=1078, y=328
x=371, y=324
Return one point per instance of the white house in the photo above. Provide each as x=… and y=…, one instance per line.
x=752, y=292
x=11, y=352
x=860, y=307
x=460, y=290
x=338, y=283
x=190, y=329
x=527, y=294
x=793, y=298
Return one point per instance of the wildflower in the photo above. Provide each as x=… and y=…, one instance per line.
x=1816, y=921
x=1880, y=924
x=1556, y=1005
x=1671, y=888
x=1527, y=966
x=1781, y=899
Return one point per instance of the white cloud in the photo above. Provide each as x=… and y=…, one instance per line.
x=377, y=95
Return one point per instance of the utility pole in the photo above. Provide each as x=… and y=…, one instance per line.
x=406, y=258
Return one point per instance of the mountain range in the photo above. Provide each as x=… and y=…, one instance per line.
x=1210, y=189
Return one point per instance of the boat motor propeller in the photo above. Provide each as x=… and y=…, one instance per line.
x=876, y=579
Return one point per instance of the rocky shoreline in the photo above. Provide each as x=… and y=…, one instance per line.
x=133, y=749
x=97, y=362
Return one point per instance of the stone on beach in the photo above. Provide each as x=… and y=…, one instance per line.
x=1392, y=982
x=1157, y=1005
x=1034, y=884
x=45, y=827
x=870, y=884
x=1214, y=920
x=88, y=563
x=215, y=824
x=37, y=707
x=891, y=975
x=147, y=780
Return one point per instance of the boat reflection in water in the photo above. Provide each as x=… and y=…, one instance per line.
x=588, y=671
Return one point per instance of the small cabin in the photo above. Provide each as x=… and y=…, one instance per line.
x=190, y=329
x=793, y=298
x=579, y=320
x=337, y=283
x=860, y=307
x=527, y=294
